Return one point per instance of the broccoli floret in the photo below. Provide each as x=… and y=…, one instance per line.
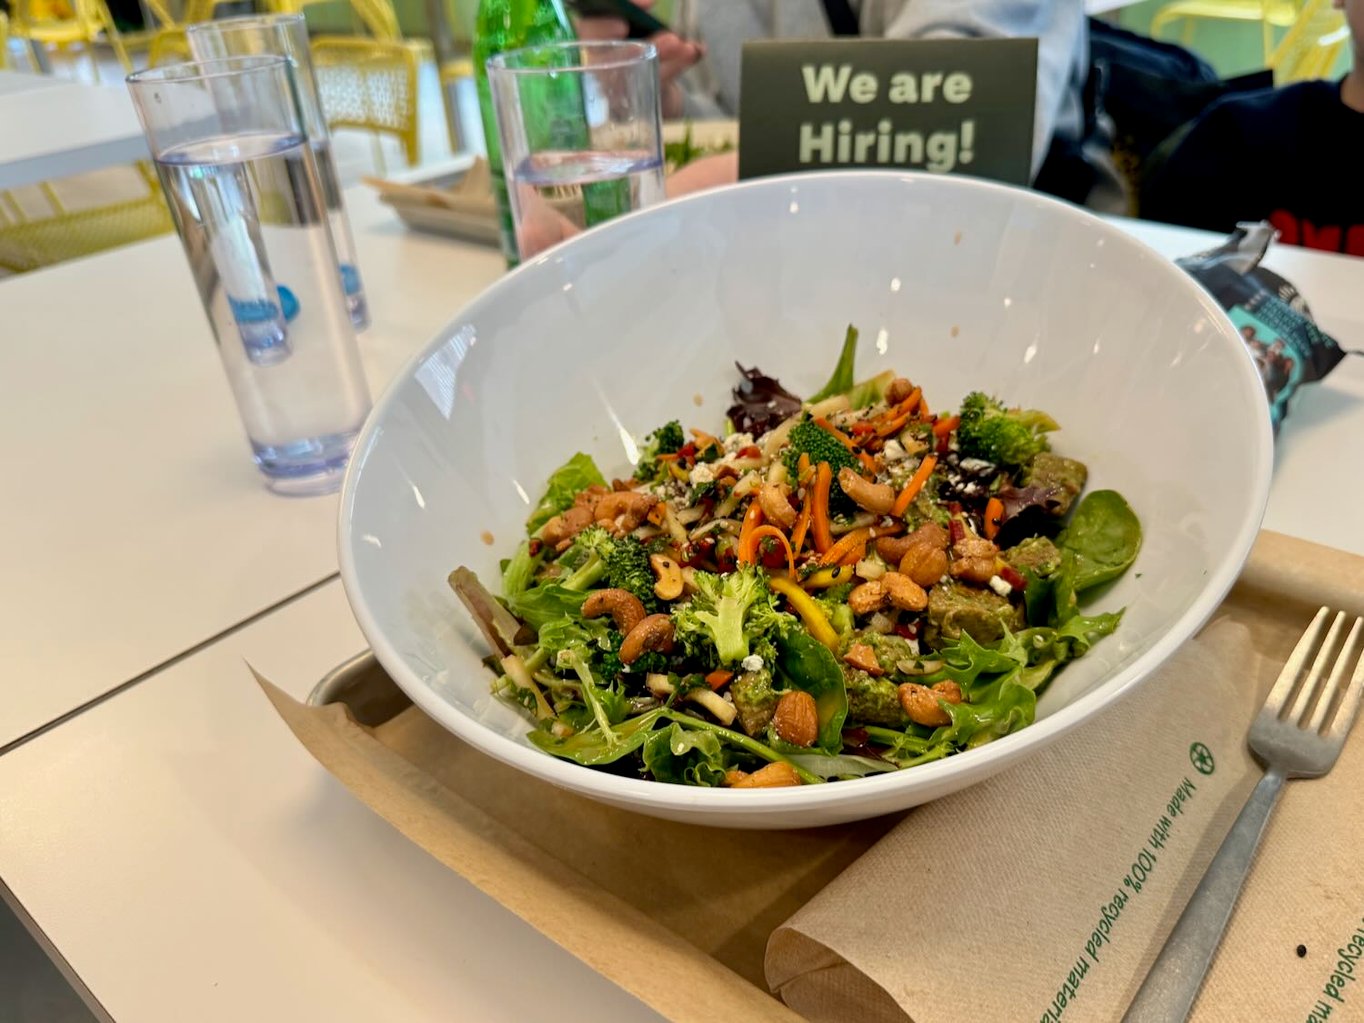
x=1008, y=437
x=584, y=564
x=668, y=439
x=727, y=613
x=809, y=438
x=834, y=603
x=627, y=568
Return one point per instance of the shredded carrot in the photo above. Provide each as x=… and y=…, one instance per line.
x=755, y=537
x=994, y=516
x=854, y=556
x=847, y=542
x=842, y=437
x=819, y=517
x=923, y=409
x=803, y=469
x=753, y=518
x=945, y=426
x=915, y=484
x=867, y=461
x=802, y=525
x=718, y=678
x=895, y=425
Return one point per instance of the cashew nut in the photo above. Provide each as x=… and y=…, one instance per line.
x=668, y=575
x=921, y=703
x=974, y=559
x=860, y=655
x=774, y=775
x=868, y=597
x=899, y=390
x=625, y=609
x=772, y=499
x=877, y=498
x=652, y=633
x=894, y=548
x=567, y=525
x=904, y=592
x=925, y=555
x=623, y=510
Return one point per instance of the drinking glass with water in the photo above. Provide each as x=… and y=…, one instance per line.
x=242, y=181
x=286, y=35
x=581, y=135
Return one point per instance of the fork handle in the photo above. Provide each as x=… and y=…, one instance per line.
x=1168, y=992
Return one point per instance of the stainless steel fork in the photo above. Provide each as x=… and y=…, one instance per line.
x=1298, y=734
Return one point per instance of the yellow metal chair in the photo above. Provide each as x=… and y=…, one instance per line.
x=370, y=85
x=1271, y=15
x=65, y=23
x=28, y=242
x=168, y=45
x=1313, y=46
x=4, y=40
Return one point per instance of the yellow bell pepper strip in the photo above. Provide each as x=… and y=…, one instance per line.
x=819, y=518
x=835, y=575
x=816, y=622
x=915, y=484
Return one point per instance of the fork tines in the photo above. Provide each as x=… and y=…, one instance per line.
x=1298, y=694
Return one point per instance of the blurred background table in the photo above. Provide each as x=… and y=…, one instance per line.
x=174, y=844
x=143, y=528
x=63, y=127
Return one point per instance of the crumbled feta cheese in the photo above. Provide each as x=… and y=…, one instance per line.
x=1000, y=586
x=752, y=663
x=702, y=472
x=736, y=441
x=975, y=465
x=894, y=451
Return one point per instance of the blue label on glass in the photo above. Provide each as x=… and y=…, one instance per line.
x=350, y=279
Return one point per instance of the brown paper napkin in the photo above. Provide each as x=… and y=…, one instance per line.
x=1046, y=892
x=471, y=195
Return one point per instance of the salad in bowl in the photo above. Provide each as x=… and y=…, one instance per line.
x=821, y=589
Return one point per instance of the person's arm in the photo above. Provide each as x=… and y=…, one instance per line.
x=675, y=56
x=1058, y=25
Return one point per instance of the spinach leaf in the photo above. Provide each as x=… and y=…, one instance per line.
x=572, y=632
x=567, y=482
x=594, y=747
x=839, y=765
x=545, y=604
x=808, y=664
x=1102, y=539
x=842, y=380
x=1003, y=705
x=685, y=757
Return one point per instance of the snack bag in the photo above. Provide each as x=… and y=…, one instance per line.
x=1286, y=344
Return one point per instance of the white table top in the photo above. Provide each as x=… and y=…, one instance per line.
x=66, y=128
x=14, y=82
x=191, y=861
x=142, y=522
x=177, y=845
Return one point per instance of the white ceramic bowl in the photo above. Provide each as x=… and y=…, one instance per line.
x=958, y=284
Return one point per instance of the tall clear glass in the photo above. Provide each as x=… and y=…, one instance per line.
x=243, y=187
x=286, y=35
x=581, y=135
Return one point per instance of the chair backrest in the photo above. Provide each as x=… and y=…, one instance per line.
x=370, y=84
x=379, y=18
x=1311, y=48
x=4, y=40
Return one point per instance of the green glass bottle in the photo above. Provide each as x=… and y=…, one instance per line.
x=509, y=25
